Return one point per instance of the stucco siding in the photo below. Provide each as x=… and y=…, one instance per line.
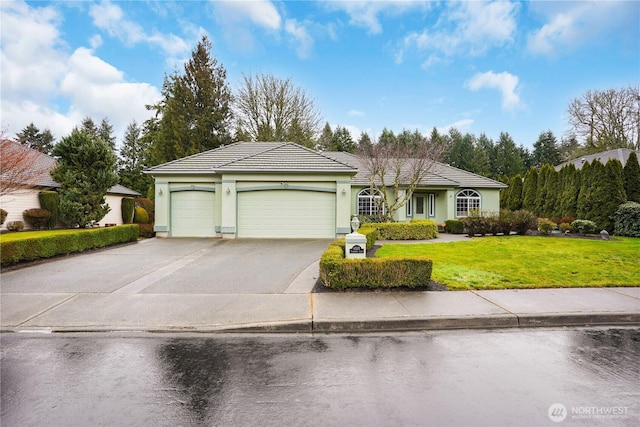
x=18, y=202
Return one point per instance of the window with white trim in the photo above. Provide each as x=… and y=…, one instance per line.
x=409, y=207
x=467, y=201
x=432, y=205
x=367, y=202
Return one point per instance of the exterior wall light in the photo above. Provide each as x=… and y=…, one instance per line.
x=344, y=191
x=160, y=192
x=228, y=190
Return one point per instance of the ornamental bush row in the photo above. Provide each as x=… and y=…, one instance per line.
x=337, y=272
x=504, y=222
x=417, y=229
x=46, y=246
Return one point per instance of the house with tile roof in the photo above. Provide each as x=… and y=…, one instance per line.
x=284, y=190
x=26, y=196
x=621, y=154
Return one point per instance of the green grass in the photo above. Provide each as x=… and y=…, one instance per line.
x=23, y=235
x=528, y=262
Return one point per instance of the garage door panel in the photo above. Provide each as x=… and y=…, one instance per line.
x=286, y=213
x=193, y=214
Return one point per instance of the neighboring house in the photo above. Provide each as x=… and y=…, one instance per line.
x=284, y=190
x=621, y=154
x=25, y=198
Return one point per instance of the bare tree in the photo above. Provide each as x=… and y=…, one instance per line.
x=272, y=109
x=20, y=167
x=396, y=170
x=607, y=119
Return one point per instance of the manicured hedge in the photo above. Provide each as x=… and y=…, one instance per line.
x=371, y=234
x=454, y=226
x=415, y=230
x=339, y=273
x=46, y=246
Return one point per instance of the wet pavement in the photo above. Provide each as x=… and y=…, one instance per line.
x=571, y=377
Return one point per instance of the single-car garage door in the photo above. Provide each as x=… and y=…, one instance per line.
x=286, y=214
x=193, y=214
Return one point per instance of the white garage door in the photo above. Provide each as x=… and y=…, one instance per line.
x=286, y=213
x=193, y=214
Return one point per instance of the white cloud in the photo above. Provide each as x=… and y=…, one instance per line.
x=109, y=17
x=260, y=12
x=365, y=13
x=465, y=28
x=504, y=82
x=301, y=37
x=356, y=113
x=45, y=84
x=571, y=24
x=461, y=125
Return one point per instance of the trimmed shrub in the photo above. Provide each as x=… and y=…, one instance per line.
x=36, y=218
x=15, y=226
x=3, y=216
x=49, y=200
x=126, y=208
x=371, y=234
x=148, y=205
x=522, y=221
x=31, y=248
x=546, y=226
x=140, y=216
x=454, y=226
x=626, y=220
x=478, y=222
x=146, y=231
x=564, y=227
x=339, y=273
x=584, y=226
x=414, y=230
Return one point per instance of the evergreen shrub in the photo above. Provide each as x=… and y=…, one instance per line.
x=626, y=220
x=140, y=216
x=584, y=226
x=3, y=216
x=46, y=246
x=50, y=200
x=36, y=218
x=414, y=230
x=454, y=226
x=546, y=226
x=126, y=208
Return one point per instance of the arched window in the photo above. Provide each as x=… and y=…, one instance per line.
x=467, y=201
x=367, y=202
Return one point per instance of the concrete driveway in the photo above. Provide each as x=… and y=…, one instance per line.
x=173, y=266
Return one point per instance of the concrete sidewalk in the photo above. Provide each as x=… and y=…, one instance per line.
x=299, y=310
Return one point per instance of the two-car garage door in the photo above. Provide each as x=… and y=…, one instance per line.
x=193, y=214
x=286, y=214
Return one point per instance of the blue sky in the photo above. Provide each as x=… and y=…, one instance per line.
x=479, y=66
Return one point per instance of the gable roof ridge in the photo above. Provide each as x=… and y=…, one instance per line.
x=472, y=173
x=248, y=156
x=191, y=156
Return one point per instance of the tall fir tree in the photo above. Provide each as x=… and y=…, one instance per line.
x=509, y=160
x=486, y=145
x=570, y=188
x=530, y=189
x=132, y=160
x=585, y=197
x=631, y=175
x=545, y=150
x=325, y=138
x=33, y=138
x=608, y=194
x=542, y=189
x=342, y=141
x=551, y=205
x=515, y=195
x=194, y=114
x=364, y=142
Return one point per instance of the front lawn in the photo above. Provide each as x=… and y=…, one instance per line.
x=528, y=262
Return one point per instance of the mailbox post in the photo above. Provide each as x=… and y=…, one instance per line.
x=355, y=243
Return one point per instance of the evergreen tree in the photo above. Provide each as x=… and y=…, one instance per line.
x=326, y=137
x=461, y=150
x=542, y=189
x=585, y=197
x=342, y=140
x=132, y=160
x=569, y=148
x=551, y=202
x=515, y=195
x=570, y=184
x=505, y=193
x=105, y=132
x=632, y=178
x=486, y=145
x=85, y=172
x=608, y=194
x=387, y=137
x=31, y=137
x=194, y=114
x=508, y=159
x=480, y=161
x=364, y=142
x=545, y=150
x=529, y=190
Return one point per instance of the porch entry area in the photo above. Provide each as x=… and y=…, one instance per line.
x=421, y=206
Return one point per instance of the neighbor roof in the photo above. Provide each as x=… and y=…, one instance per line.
x=440, y=174
x=254, y=157
x=621, y=154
